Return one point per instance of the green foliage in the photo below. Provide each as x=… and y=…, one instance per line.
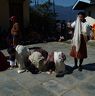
x=43, y=17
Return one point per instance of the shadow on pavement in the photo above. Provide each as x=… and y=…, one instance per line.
x=69, y=69
x=90, y=67
x=34, y=48
x=4, y=67
x=31, y=68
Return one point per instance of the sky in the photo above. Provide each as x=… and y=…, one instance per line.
x=61, y=2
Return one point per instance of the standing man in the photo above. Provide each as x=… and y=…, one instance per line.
x=15, y=31
x=13, y=39
x=81, y=34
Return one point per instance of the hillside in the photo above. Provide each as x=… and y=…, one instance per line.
x=65, y=13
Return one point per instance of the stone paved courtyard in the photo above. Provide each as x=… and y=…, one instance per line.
x=74, y=84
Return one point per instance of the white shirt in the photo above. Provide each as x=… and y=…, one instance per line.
x=86, y=29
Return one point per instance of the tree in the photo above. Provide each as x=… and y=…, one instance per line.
x=43, y=18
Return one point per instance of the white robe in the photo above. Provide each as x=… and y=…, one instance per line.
x=80, y=28
x=59, y=59
x=22, y=54
x=77, y=32
x=36, y=58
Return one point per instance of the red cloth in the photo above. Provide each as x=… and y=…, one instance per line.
x=12, y=18
x=82, y=53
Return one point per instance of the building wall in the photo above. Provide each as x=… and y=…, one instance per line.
x=91, y=11
x=26, y=14
x=4, y=14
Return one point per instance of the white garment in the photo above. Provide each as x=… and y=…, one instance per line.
x=22, y=50
x=22, y=54
x=73, y=24
x=86, y=28
x=12, y=63
x=35, y=58
x=80, y=28
x=77, y=31
x=90, y=20
x=59, y=61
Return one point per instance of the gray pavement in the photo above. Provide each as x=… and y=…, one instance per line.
x=74, y=84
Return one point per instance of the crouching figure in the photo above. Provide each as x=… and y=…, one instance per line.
x=37, y=60
x=59, y=58
x=55, y=62
x=22, y=54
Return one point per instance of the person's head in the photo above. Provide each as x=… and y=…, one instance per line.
x=13, y=19
x=81, y=16
x=68, y=24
